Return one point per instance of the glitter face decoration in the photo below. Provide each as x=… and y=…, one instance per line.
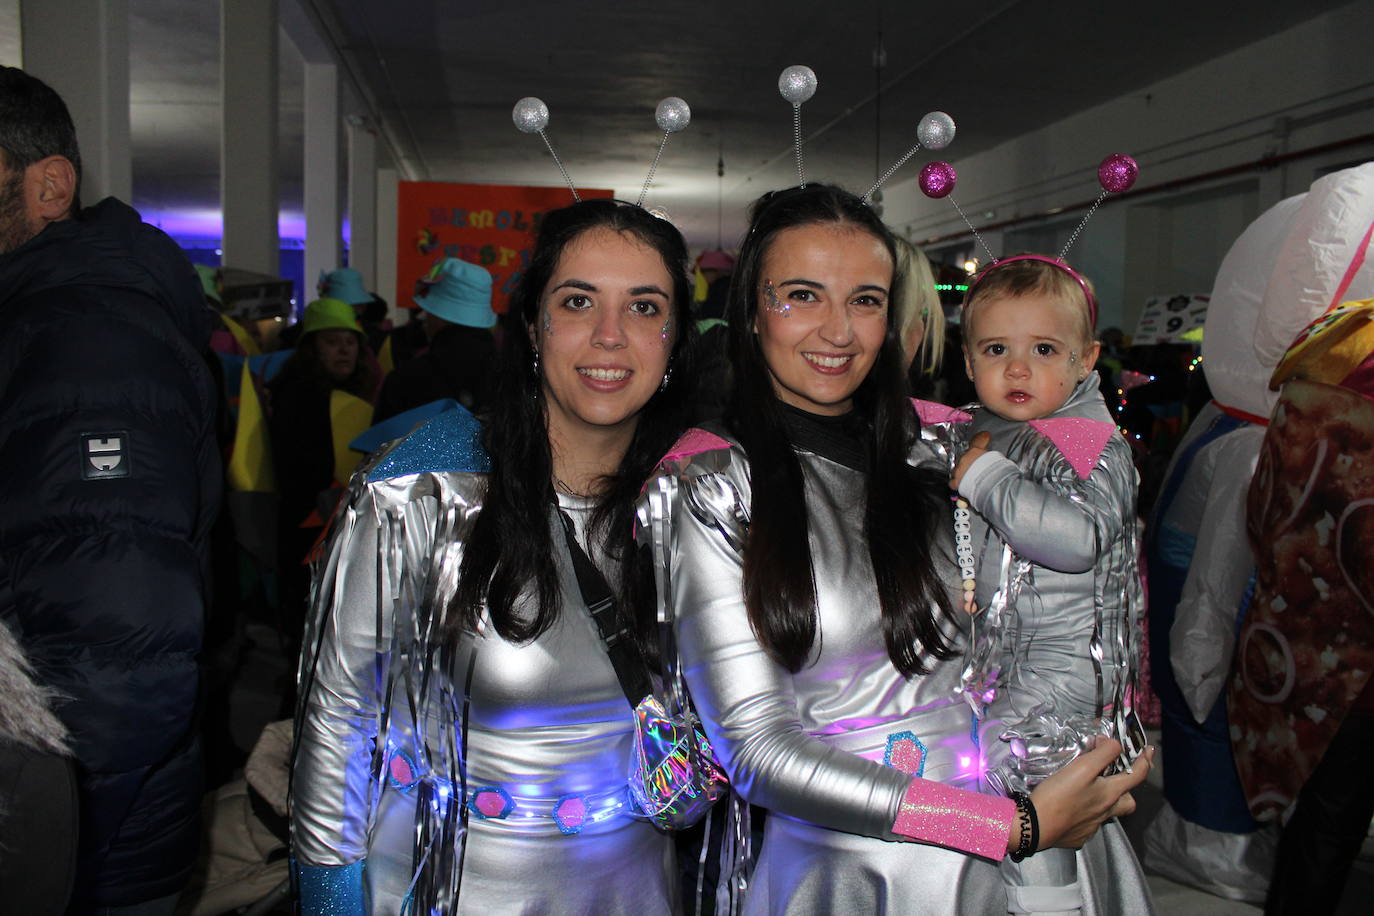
x=821, y=327
x=663, y=331
x=607, y=297
x=772, y=304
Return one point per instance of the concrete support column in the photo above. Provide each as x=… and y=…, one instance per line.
x=248, y=152
x=362, y=201
x=323, y=224
x=387, y=185
x=81, y=49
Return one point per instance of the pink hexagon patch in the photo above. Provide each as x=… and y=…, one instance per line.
x=905, y=752
x=490, y=802
x=570, y=813
x=400, y=771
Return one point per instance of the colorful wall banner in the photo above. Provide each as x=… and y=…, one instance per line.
x=487, y=224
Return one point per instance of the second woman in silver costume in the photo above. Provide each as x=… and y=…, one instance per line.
x=809, y=572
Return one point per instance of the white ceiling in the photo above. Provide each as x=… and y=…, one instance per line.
x=442, y=77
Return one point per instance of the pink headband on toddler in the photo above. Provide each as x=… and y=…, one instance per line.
x=1054, y=262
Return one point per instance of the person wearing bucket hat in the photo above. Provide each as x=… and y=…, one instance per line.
x=456, y=298
x=346, y=285
x=459, y=293
x=325, y=340
x=331, y=355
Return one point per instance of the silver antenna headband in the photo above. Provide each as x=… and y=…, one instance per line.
x=531, y=116
x=796, y=84
x=935, y=131
x=671, y=116
x=1116, y=174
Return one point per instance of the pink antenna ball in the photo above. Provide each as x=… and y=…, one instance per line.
x=937, y=179
x=1117, y=172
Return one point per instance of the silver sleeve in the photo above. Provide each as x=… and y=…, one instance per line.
x=1065, y=532
x=342, y=673
x=745, y=698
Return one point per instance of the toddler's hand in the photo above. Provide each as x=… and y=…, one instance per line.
x=976, y=449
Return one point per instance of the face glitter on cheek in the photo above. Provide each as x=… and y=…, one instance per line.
x=772, y=304
x=663, y=332
x=548, y=322
x=1073, y=357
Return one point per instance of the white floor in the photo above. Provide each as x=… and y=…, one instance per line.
x=1173, y=899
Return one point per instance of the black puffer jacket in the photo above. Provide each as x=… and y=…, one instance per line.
x=109, y=481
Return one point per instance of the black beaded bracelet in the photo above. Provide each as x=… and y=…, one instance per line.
x=1029, y=841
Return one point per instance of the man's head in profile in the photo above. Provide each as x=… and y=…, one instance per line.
x=40, y=165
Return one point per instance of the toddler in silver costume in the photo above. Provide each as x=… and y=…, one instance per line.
x=1046, y=524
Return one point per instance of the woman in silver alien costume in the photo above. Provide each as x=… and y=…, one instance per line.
x=808, y=566
x=463, y=740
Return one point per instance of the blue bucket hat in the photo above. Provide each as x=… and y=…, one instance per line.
x=344, y=284
x=458, y=292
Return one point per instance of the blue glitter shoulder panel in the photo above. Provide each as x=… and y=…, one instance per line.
x=452, y=441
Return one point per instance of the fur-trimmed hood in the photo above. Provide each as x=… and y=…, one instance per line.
x=26, y=716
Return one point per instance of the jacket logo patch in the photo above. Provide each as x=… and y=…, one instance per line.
x=105, y=455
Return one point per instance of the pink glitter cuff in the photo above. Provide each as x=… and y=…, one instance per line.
x=932, y=812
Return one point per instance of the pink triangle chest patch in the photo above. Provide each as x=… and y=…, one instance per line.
x=694, y=442
x=930, y=412
x=1078, y=439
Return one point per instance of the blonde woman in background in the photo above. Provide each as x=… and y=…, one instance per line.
x=922, y=328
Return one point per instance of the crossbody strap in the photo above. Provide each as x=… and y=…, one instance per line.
x=616, y=635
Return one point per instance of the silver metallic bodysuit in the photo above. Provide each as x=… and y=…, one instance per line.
x=1057, y=642
x=548, y=732
x=829, y=750
x=1072, y=643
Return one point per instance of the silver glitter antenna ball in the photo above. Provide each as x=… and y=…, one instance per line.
x=672, y=114
x=530, y=115
x=797, y=84
x=936, y=130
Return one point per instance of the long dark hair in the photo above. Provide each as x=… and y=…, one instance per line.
x=903, y=505
x=510, y=547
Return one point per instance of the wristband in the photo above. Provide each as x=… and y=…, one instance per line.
x=931, y=812
x=1029, y=841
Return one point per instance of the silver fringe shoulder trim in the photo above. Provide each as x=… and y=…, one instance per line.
x=700, y=483
x=378, y=676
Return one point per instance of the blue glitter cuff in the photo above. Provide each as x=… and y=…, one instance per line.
x=331, y=890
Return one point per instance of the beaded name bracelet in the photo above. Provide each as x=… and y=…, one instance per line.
x=963, y=548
